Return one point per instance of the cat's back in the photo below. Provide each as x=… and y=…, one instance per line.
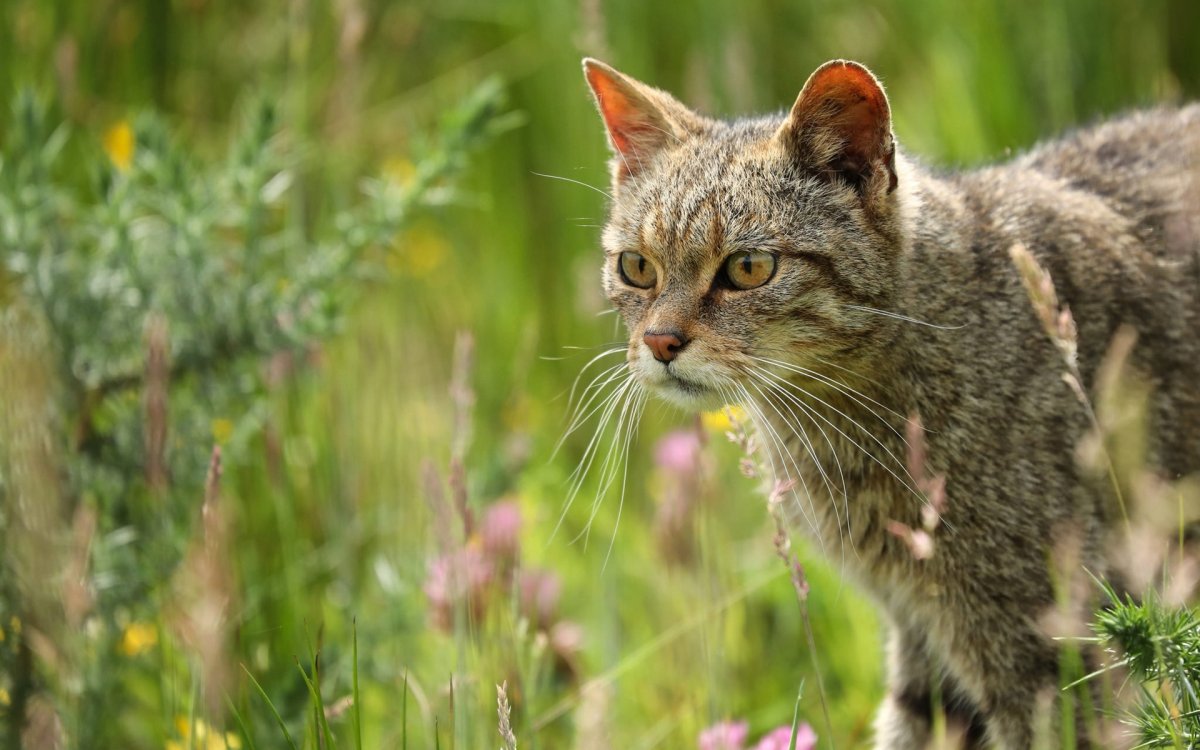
x=1113, y=212
x=1143, y=166
x=1154, y=145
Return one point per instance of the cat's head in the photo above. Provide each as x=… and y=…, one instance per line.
x=732, y=244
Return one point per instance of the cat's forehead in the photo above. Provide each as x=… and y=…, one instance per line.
x=704, y=193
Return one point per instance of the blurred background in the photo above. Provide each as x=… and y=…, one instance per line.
x=353, y=245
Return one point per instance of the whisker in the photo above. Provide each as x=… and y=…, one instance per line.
x=805, y=410
x=596, y=387
x=796, y=466
x=609, y=468
x=589, y=363
x=577, y=476
x=804, y=435
x=609, y=405
x=635, y=424
x=905, y=318
x=846, y=370
x=764, y=426
x=844, y=389
x=800, y=435
x=855, y=443
x=582, y=417
x=605, y=193
x=616, y=347
x=618, y=449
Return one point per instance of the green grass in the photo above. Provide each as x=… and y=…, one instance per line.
x=330, y=468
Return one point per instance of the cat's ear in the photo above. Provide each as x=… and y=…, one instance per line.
x=841, y=124
x=640, y=120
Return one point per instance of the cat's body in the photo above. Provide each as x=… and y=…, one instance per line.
x=766, y=261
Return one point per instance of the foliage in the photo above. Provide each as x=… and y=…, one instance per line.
x=336, y=426
x=1160, y=646
x=168, y=293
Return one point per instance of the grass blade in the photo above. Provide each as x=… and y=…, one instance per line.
x=357, y=705
x=322, y=727
x=279, y=719
x=241, y=722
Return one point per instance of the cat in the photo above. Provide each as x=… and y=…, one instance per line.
x=802, y=266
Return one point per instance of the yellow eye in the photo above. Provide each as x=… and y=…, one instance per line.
x=750, y=269
x=636, y=270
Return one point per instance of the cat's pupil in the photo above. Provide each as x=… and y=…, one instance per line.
x=747, y=265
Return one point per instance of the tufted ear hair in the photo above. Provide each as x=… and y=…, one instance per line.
x=841, y=125
x=640, y=119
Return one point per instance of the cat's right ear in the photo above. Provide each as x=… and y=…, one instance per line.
x=640, y=120
x=841, y=124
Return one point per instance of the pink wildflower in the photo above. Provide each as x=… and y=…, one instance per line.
x=777, y=739
x=678, y=451
x=454, y=580
x=727, y=735
x=539, y=592
x=501, y=531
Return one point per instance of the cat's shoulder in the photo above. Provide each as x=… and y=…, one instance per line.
x=1168, y=135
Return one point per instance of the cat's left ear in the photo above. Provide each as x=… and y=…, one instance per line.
x=640, y=119
x=841, y=124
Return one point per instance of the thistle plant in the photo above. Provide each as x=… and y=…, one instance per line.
x=1160, y=647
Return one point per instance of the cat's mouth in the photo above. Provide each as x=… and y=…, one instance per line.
x=686, y=393
x=685, y=385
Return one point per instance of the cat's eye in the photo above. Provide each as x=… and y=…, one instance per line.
x=636, y=270
x=748, y=269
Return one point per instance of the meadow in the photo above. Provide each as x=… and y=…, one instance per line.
x=293, y=295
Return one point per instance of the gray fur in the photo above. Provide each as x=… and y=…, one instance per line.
x=1112, y=212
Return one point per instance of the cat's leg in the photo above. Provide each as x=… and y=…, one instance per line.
x=1027, y=698
x=903, y=722
x=1012, y=665
x=916, y=690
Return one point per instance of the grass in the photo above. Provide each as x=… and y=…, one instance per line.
x=343, y=462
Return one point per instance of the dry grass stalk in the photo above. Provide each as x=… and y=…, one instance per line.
x=154, y=426
x=920, y=540
x=205, y=589
x=504, y=711
x=1059, y=325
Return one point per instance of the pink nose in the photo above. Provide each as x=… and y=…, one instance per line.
x=665, y=346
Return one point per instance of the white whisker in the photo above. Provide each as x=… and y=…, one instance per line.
x=575, y=480
x=800, y=472
x=580, y=412
x=905, y=318
x=904, y=482
x=846, y=390
x=605, y=193
x=764, y=426
x=635, y=422
x=806, y=411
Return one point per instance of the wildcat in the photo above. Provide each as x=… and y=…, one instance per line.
x=804, y=267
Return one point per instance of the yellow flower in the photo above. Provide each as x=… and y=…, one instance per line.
x=222, y=430
x=399, y=170
x=119, y=145
x=5, y=700
x=718, y=421
x=2, y=636
x=138, y=638
x=204, y=737
x=419, y=252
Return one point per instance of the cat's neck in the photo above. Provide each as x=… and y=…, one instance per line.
x=845, y=424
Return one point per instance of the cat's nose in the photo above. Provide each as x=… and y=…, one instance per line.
x=665, y=345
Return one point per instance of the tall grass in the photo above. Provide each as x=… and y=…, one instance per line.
x=349, y=468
